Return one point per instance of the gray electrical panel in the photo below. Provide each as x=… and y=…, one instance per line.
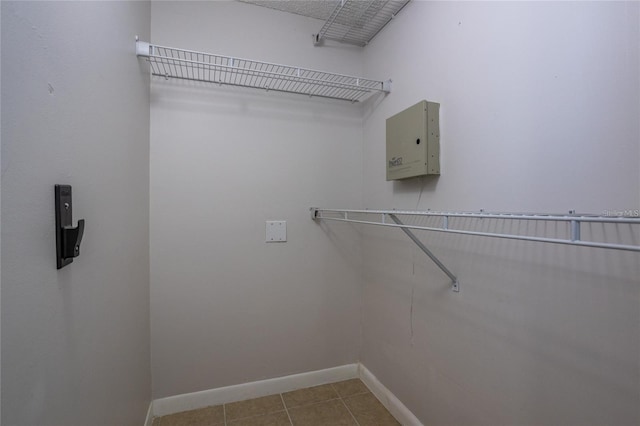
x=413, y=142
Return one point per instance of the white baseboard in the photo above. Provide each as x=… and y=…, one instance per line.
x=192, y=401
x=388, y=399
x=149, y=420
x=195, y=400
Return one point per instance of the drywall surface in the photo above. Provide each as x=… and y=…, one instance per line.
x=228, y=308
x=539, y=112
x=75, y=110
x=0, y=223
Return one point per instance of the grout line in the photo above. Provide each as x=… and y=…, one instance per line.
x=224, y=412
x=367, y=390
x=335, y=390
x=352, y=416
x=316, y=403
x=259, y=415
x=345, y=405
x=286, y=410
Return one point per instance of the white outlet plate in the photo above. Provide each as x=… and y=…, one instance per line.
x=276, y=231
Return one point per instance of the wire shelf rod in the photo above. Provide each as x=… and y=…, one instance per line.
x=581, y=217
x=254, y=87
x=574, y=221
x=264, y=74
x=613, y=246
x=184, y=64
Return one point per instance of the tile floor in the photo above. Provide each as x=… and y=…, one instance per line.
x=335, y=404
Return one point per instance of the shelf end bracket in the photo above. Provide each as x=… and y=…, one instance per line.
x=143, y=48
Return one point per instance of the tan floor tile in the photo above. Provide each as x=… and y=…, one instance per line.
x=350, y=387
x=368, y=411
x=363, y=403
x=328, y=413
x=376, y=418
x=209, y=416
x=274, y=419
x=309, y=396
x=253, y=407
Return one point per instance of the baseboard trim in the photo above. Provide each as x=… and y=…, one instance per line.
x=388, y=399
x=149, y=420
x=194, y=400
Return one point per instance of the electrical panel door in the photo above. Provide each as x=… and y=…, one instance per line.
x=413, y=142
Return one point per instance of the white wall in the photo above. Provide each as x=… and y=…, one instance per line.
x=226, y=307
x=75, y=110
x=0, y=224
x=540, y=107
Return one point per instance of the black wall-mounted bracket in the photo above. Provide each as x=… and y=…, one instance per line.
x=68, y=238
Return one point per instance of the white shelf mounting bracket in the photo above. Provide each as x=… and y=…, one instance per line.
x=455, y=284
x=142, y=48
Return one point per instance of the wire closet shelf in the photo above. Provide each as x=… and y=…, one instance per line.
x=468, y=223
x=170, y=62
x=573, y=233
x=358, y=21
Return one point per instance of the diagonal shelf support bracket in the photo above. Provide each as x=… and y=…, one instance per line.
x=455, y=285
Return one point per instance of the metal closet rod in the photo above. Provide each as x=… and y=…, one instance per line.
x=574, y=220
